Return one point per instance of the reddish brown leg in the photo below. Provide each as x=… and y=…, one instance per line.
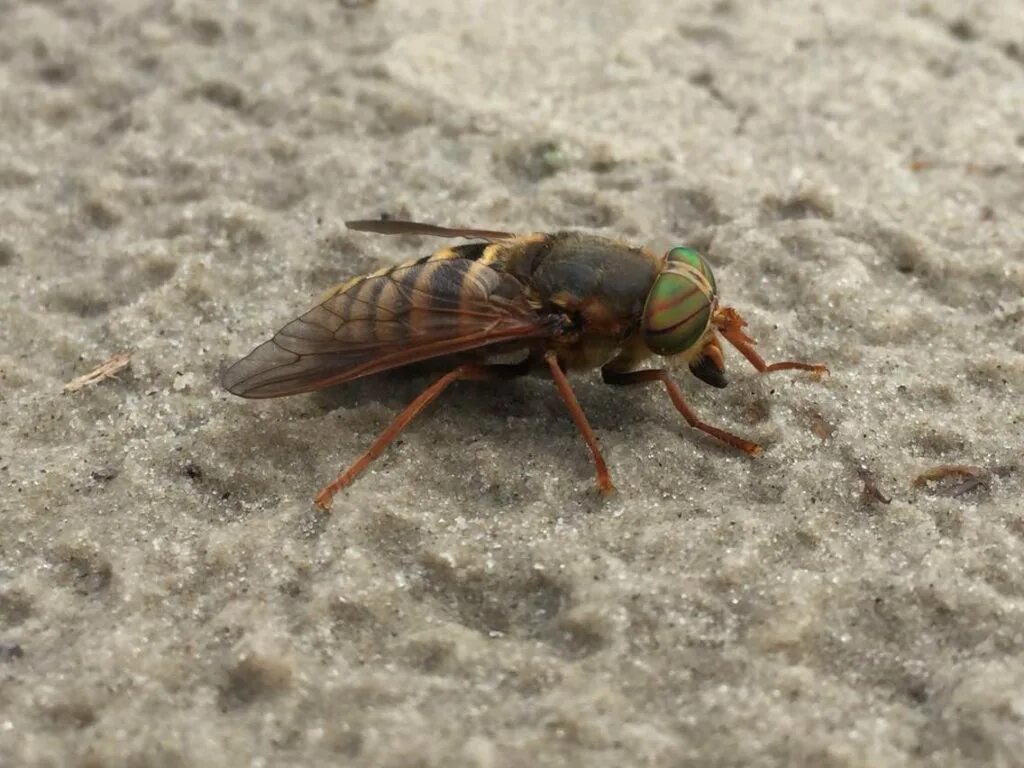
x=604, y=481
x=642, y=377
x=731, y=324
x=425, y=398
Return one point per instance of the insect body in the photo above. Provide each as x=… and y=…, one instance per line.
x=553, y=302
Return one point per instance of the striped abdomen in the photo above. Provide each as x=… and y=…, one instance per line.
x=439, y=305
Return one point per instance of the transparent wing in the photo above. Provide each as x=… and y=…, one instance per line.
x=387, y=320
x=397, y=227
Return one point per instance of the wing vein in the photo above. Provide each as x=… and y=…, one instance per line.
x=436, y=309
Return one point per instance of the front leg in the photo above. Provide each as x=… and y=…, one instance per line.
x=730, y=324
x=618, y=378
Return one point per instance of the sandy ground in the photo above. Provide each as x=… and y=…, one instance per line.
x=174, y=177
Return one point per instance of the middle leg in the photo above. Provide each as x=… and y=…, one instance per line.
x=604, y=481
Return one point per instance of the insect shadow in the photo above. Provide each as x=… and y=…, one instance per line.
x=529, y=396
x=472, y=410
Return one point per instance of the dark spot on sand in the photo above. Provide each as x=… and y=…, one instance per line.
x=254, y=677
x=15, y=607
x=192, y=471
x=962, y=30
x=806, y=205
x=7, y=253
x=223, y=94
x=10, y=651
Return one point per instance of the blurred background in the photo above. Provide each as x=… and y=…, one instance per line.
x=173, y=181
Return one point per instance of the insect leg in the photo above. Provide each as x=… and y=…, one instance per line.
x=425, y=398
x=731, y=324
x=604, y=482
x=642, y=377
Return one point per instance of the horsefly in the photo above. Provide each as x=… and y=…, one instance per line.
x=551, y=302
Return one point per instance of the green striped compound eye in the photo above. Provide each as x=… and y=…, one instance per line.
x=680, y=303
x=682, y=255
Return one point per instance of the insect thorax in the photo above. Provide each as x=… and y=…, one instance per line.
x=569, y=270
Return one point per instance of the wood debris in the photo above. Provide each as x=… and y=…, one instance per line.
x=952, y=479
x=108, y=369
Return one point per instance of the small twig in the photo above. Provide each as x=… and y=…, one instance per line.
x=970, y=478
x=108, y=369
x=821, y=428
x=871, y=493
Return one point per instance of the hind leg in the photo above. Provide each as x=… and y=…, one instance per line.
x=468, y=372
